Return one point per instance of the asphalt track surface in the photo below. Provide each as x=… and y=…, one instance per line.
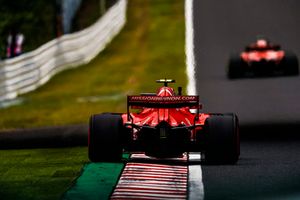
x=268, y=108
x=225, y=27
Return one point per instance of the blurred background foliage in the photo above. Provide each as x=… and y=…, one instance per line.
x=32, y=18
x=37, y=20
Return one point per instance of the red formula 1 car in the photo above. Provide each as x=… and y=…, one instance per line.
x=262, y=59
x=163, y=126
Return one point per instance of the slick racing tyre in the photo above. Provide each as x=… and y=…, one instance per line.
x=290, y=64
x=235, y=67
x=104, y=142
x=222, y=143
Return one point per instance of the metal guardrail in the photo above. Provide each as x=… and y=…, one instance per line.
x=31, y=70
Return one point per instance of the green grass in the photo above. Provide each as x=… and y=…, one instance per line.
x=39, y=173
x=151, y=46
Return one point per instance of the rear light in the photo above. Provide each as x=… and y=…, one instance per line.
x=163, y=133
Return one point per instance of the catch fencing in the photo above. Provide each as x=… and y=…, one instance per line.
x=30, y=70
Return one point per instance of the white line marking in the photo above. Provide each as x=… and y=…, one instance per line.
x=194, y=157
x=196, y=188
x=146, y=191
x=143, y=156
x=151, y=183
x=152, y=187
x=189, y=47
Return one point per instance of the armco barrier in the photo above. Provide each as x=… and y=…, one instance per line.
x=30, y=70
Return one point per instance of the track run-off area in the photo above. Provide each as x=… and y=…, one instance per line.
x=142, y=177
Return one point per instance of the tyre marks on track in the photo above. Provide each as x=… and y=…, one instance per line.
x=141, y=180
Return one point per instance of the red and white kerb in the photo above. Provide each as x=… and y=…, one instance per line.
x=152, y=181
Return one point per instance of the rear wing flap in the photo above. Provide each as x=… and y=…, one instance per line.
x=163, y=102
x=191, y=102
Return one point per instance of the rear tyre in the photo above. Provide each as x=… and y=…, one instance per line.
x=222, y=142
x=104, y=143
x=290, y=64
x=235, y=67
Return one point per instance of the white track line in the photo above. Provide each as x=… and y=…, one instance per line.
x=196, y=188
x=189, y=47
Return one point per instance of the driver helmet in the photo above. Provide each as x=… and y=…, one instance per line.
x=262, y=43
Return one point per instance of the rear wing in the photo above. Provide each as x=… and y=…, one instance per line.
x=163, y=102
x=191, y=102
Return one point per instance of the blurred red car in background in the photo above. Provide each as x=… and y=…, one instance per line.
x=262, y=58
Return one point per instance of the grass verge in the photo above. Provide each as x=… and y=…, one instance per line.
x=39, y=173
x=151, y=46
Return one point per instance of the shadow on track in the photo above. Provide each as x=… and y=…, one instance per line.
x=270, y=132
x=46, y=137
